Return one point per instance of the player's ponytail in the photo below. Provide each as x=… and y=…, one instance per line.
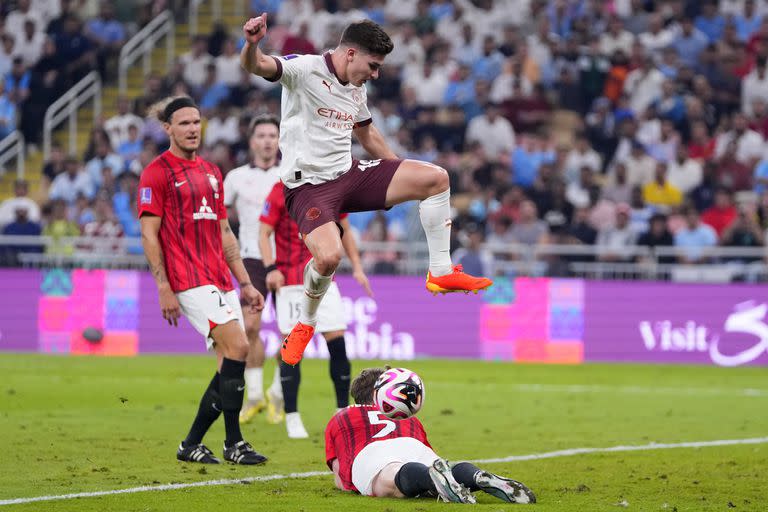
x=163, y=110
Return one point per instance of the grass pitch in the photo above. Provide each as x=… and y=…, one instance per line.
x=84, y=424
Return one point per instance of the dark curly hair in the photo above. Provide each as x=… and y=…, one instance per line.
x=368, y=37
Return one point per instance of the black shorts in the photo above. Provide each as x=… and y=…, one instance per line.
x=361, y=189
x=257, y=273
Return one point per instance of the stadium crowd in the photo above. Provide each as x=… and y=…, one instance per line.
x=588, y=122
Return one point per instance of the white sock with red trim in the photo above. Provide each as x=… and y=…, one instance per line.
x=435, y=215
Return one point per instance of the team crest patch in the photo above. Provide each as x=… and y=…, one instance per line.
x=313, y=213
x=146, y=195
x=214, y=183
x=357, y=97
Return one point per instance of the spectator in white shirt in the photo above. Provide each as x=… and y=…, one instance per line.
x=20, y=200
x=657, y=37
x=104, y=158
x=196, y=62
x=684, y=173
x=70, y=184
x=749, y=143
x=754, y=86
x=641, y=168
x=616, y=38
x=228, y=64
x=643, y=86
x=614, y=244
x=428, y=82
x=582, y=155
x=117, y=125
x=221, y=127
x=30, y=43
x=493, y=131
x=14, y=22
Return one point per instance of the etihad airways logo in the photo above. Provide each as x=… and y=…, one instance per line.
x=336, y=115
x=747, y=319
x=205, y=212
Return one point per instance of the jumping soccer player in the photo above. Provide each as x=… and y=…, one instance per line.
x=323, y=104
x=245, y=189
x=285, y=277
x=191, y=251
x=377, y=456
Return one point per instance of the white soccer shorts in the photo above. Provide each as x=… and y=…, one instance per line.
x=204, y=304
x=379, y=454
x=330, y=315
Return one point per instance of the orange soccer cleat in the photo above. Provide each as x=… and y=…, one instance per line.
x=296, y=342
x=457, y=281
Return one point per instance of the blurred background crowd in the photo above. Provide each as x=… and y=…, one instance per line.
x=608, y=124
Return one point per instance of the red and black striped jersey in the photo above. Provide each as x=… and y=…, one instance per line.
x=355, y=427
x=189, y=197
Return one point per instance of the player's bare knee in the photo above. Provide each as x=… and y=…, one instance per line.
x=326, y=261
x=439, y=181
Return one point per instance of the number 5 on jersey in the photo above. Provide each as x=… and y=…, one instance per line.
x=375, y=418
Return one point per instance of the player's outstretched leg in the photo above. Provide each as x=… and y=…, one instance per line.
x=506, y=489
x=340, y=369
x=315, y=286
x=191, y=448
x=290, y=377
x=448, y=489
x=430, y=184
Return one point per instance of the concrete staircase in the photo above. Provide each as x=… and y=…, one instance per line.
x=85, y=120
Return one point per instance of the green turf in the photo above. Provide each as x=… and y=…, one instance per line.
x=79, y=424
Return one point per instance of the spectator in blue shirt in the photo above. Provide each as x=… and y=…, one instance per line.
x=749, y=22
x=694, y=239
x=17, y=81
x=689, y=43
x=212, y=92
x=761, y=177
x=130, y=149
x=488, y=66
x=710, y=22
x=461, y=90
x=7, y=113
x=106, y=34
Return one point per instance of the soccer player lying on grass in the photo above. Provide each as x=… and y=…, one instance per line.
x=377, y=456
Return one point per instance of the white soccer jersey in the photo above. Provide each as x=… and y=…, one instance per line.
x=247, y=187
x=318, y=114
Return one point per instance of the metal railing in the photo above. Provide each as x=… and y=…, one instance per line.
x=12, y=148
x=722, y=264
x=67, y=108
x=194, y=14
x=141, y=46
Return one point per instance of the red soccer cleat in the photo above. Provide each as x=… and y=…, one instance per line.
x=457, y=281
x=296, y=342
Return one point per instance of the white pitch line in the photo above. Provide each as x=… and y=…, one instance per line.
x=634, y=390
x=309, y=474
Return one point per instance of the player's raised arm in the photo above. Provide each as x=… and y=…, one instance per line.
x=373, y=141
x=150, y=240
x=251, y=57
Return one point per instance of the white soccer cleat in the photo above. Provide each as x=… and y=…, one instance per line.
x=294, y=426
x=448, y=489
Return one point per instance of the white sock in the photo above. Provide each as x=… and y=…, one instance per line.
x=253, y=377
x=315, y=286
x=435, y=214
x=276, y=388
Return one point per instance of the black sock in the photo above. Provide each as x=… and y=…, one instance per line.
x=340, y=370
x=290, y=378
x=232, y=390
x=464, y=473
x=413, y=479
x=208, y=411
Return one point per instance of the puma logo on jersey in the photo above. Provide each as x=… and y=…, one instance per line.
x=328, y=85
